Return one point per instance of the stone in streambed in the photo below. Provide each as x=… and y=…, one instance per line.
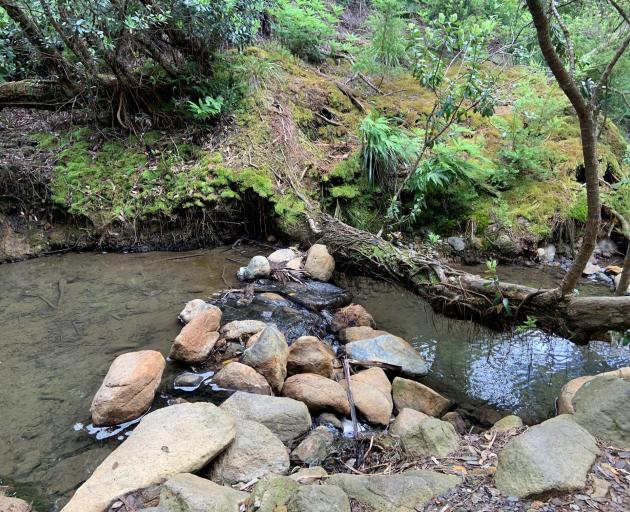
x=508, y=423
x=319, y=498
x=455, y=419
x=409, y=394
x=189, y=493
x=192, y=309
x=8, y=504
x=180, y=438
x=254, y=453
x=268, y=356
x=241, y=377
x=271, y=494
x=308, y=354
x=314, y=448
x=320, y=265
x=568, y=391
x=257, y=268
x=281, y=257
x=372, y=394
x=198, y=337
x=405, y=492
x=317, y=392
x=353, y=315
x=240, y=329
x=362, y=332
x=548, y=459
x=424, y=436
x=309, y=475
x=129, y=387
x=390, y=350
x=286, y=418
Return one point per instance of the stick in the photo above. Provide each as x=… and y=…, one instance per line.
x=52, y=306
x=350, y=96
x=353, y=411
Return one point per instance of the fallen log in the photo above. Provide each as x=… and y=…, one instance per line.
x=32, y=93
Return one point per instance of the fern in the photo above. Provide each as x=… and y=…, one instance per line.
x=206, y=108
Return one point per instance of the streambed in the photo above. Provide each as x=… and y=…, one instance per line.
x=65, y=318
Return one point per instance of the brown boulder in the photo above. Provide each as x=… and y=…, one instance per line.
x=307, y=354
x=317, y=392
x=361, y=332
x=413, y=395
x=268, y=356
x=241, y=377
x=319, y=264
x=198, y=337
x=372, y=394
x=128, y=388
x=353, y=315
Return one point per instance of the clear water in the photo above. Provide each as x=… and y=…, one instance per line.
x=55, y=352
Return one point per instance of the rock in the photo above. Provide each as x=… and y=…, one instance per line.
x=457, y=243
x=565, y=400
x=281, y=257
x=272, y=299
x=189, y=493
x=129, y=387
x=253, y=339
x=405, y=492
x=617, y=281
x=424, y=436
x=198, y=337
x=614, y=269
x=389, y=349
x=455, y=419
x=314, y=448
x=319, y=264
x=13, y=505
x=271, y=494
x=327, y=418
x=192, y=309
x=268, y=356
x=372, y=394
x=319, y=498
x=241, y=377
x=309, y=475
x=317, y=392
x=254, y=453
x=353, y=315
x=591, y=268
x=239, y=329
x=189, y=381
x=295, y=263
x=314, y=295
x=307, y=354
x=548, y=459
x=508, y=422
x=286, y=418
x=257, y=268
x=409, y=394
x=362, y=332
x=601, y=407
x=176, y=439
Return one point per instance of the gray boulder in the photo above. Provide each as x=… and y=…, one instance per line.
x=192, y=309
x=389, y=349
x=254, y=453
x=285, y=417
x=457, y=243
x=314, y=448
x=549, y=459
x=319, y=498
x=189, y=493
x=424, y=436
x=257, y=268
x=272, y=493
x=268, y=356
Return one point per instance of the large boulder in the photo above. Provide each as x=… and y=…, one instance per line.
x=319, y=264
x=319, y=498
x=601, y=407
x=192, y=309
x=129, y=387
x=198, y=337
x=353, y=315
x=268, y=356
x=404, y=492
x=8, y=504
x=314, y=448
x=317, y=392
x=254, y=453
x=362, y=332
x=281, y=257
x=372, y=394
x=548, y=459
x=424, y=436
x=241, y=329
x=390, y=350
x=409, y=394
x=568, y=391
x=257, y=268
x=286, y=418
x=181, y=438
x=241, y=377
x=189, y=493
x=308, y=354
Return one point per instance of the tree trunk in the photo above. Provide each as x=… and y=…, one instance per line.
x=33, y=93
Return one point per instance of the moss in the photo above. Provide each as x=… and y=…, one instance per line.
x=344, y=191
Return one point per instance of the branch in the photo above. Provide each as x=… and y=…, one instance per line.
x=567, y=37
x=609, y=69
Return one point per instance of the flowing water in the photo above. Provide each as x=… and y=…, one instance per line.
x=63, y=319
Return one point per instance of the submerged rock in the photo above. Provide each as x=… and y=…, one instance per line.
x=413, y=395
x=198, y=337
x=241, y=377
x=192, y=309
x=254, y=453
x=129, y=387
x=390, y=350
x=320, y=265
x=372, y=394
x=189, y=493
x=319, y=498
x=268, y=356
x=353, y=315
x=317, y=392
x=257, y=268
x=180, y=438
x=308, y=354
x=548, y=459
x=424, y=436
x=314, y=448
x=285, y=417
x=314, y=295
x=405, y=492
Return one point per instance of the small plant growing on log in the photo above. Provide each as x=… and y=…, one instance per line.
x=500, y=302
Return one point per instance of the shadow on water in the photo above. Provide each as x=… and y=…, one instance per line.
x=64, y=319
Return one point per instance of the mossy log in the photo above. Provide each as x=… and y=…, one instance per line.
x=463, y=295
x=32, y=93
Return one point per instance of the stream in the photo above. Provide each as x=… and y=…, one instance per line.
x=65, y=318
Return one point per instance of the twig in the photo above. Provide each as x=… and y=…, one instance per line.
x=353, y=411
x=52, y=306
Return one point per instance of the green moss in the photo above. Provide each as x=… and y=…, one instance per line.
x=258, y=180
x=345, y=192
